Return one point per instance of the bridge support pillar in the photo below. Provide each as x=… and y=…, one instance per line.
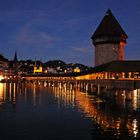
x=71, y=87
x=81, y=86
x=86, y=87
x=105, y=75
x=78, y=85
x=94, y=88
x=60, y=85
x=91, y=88
x=98, y=89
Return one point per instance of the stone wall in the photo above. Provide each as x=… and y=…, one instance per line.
x=108, y=52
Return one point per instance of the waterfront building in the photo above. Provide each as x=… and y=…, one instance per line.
x=38, y=68
x=109, y=40
x=4, y=65
x=77, y=69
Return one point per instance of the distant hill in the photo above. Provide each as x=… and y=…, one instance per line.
x=55, y=63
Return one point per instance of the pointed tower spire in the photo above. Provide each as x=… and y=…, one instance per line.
x=109, y=26
x=15, y=63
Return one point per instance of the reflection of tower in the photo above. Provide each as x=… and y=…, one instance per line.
x=109, y=40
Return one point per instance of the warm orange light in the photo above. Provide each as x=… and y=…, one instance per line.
x=1, y=93
x=37, y=69
x=76, y=70
x=124, y=36
x=1, y=77
x=122, y=43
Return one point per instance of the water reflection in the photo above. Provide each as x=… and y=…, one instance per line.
x=17, y=92
x=65, y=96
x=2, y=95
x=115, y=118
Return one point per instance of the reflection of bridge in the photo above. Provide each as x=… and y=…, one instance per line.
x=68, y=96
x=89, y=84
x=92, y=108
x=106, y=119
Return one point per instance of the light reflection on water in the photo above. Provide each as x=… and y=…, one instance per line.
x=115, y=118
x=1, y=94
x=112, y=118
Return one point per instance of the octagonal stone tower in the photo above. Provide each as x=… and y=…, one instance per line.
x=109, y=40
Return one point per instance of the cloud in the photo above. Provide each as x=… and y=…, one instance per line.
x=46, y=37
x=27, y=35
x=81, y=19
x=80, y=49
x=84, y=48
x=33, y=37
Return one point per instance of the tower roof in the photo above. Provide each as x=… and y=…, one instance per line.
x=109, y=26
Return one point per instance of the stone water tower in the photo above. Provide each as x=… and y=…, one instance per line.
x=109, y=40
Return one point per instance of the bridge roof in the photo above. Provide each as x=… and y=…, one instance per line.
x=52, y=75
x=119, y=66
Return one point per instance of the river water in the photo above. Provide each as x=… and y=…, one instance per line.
x=33, y=112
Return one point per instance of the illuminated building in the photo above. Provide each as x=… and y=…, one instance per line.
x=114, y=70
x=4, y=64
x=77, y=69
x=109, y=40
x=37, y=69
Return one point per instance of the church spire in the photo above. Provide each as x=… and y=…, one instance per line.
x=15, y=57
x=15, y=63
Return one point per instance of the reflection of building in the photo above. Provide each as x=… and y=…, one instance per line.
x=109, y=40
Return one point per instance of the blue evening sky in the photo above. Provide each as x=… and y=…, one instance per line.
x=62, y=29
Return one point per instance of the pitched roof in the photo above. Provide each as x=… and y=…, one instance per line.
x=109, y=26
x=2, y=58
x=119, y=66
